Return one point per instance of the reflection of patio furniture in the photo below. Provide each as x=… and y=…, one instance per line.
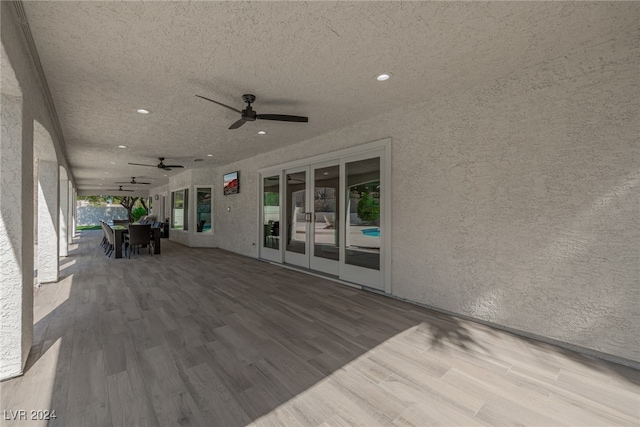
x=329, y=224
x=200, y=225
x=273, y=234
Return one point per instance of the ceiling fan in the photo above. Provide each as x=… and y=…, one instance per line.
x=160, y=165
x=248, y=115
x=133, y=181
x=120, y=189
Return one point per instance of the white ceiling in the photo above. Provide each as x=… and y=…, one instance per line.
x=104, y=60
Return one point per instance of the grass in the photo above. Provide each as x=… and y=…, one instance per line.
x=88, y=227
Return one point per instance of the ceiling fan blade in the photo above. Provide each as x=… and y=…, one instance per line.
x=237, y=124
x=140, y=164
x=166, y=168
x=221, y=104
x=283, y=118
x=172, y=166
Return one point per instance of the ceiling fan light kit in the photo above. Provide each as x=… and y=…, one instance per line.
x=249, y=115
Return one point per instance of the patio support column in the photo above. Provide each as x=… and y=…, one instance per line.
x=47, y=222
x=16, y=238
x=64, y=212
x=71, y=217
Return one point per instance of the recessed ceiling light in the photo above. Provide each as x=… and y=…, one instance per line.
x=113, y=163
x=122, y=146
x=143, y=111
x=261, y=132
x=209, y=155
x=165, y=175
x=383, y=77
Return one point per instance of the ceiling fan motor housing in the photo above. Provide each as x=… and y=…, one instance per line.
x=248, y=114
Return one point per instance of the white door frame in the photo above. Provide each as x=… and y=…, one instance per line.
x=298, y=259
x=381, y=148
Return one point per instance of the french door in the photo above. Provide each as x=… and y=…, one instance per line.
x=311, y=216
x=328, y=217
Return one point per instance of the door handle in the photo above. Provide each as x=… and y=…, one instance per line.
x=308, y=216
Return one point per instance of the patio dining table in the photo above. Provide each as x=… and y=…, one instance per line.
x=120, y=230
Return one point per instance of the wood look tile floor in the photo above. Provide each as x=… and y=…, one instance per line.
x=203, y=337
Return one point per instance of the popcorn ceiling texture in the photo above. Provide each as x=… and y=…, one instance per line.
x=514, y=202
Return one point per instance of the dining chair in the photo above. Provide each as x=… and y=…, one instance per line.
x=104, y=241
x=140, y=234
x=110, y=239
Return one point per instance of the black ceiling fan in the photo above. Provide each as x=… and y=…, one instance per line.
x=120, y=189
x=133, y=181
x=248, y=115
x=160, y=165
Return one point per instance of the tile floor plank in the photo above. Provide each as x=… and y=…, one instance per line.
x=204, y=337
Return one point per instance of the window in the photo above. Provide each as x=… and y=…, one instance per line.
x=180, y=209
x=203, y=210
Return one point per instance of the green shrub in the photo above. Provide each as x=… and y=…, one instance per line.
x=138, y=213
x=368, y=209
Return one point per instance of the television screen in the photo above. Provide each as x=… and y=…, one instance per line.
x=231, y=183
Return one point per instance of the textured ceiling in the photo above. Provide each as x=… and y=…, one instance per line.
x=104, y=60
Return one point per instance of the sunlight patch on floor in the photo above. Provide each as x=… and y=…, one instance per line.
x=50, y=296
x=36, y=403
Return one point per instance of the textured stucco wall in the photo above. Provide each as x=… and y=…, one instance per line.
x=25, y=117
x=63, y=213
x=16, y=184
x=191, y=179
x=527, y=194
x=16, y=257
x=48, y=245
x=528, y=197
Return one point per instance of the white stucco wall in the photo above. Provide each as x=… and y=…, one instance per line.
x=63, y=214
x=20, y=84
x=190, y=179
x=514, y=203
x=16, y=256
x=48, y=245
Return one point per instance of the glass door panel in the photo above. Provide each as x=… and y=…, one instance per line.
x=271, y=212
x=326, y=226
x=363, y=214
x=297, y=218
x=363, y=225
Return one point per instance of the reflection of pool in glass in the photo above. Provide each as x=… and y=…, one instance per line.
x=372, y=232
